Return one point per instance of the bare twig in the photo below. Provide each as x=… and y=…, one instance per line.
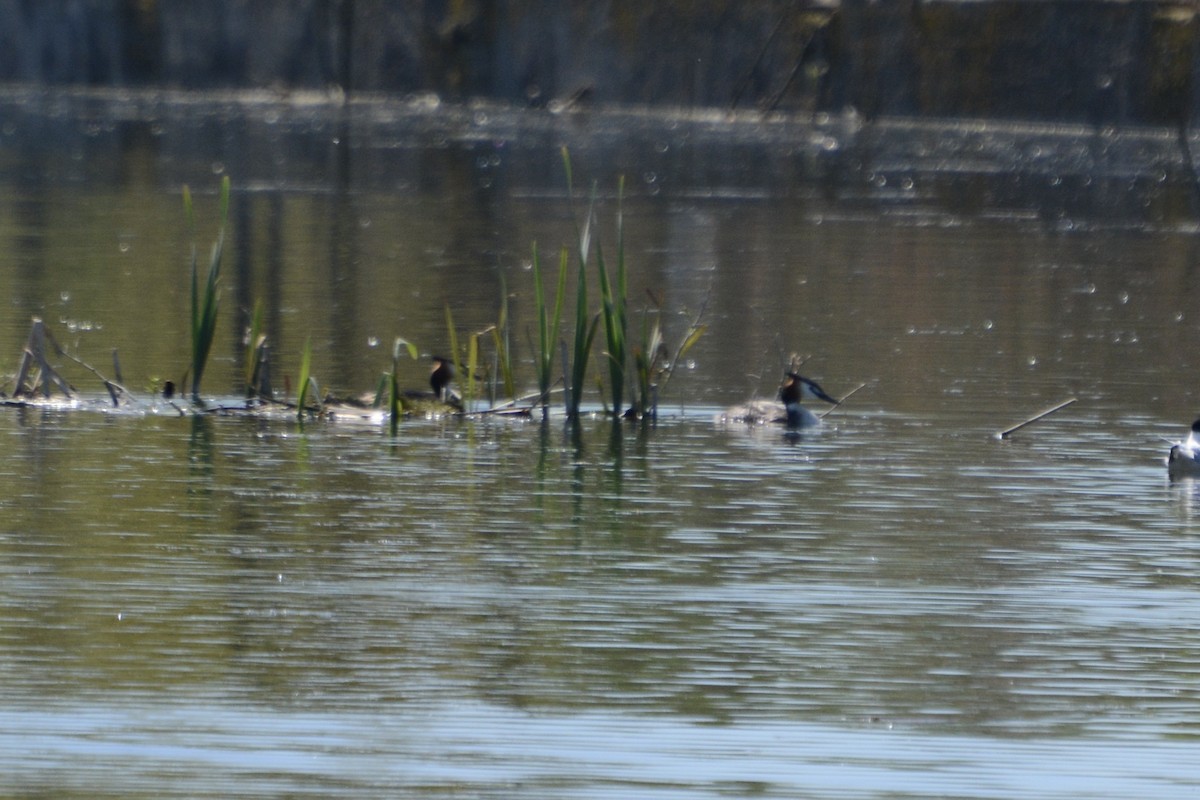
x=115, y=389
x=843, y=399
x=1004, y=434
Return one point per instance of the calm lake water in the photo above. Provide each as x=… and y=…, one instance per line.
x=898, y=605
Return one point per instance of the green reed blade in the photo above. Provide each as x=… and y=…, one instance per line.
x=612, y=309
x=692, y=338
x=394, y=401
x=205, y=307
x=468, y=384
x=455, y=355
x=383, y=387
x=188, y=213
x=393, y=382
x=559, y=296
x=544, y=360
x=224, y=199
x=305, y=368
x=255, y=339
x=407, y=345
x=583, y=341
x=502, y=340
x=547, y=329
x=503, y=365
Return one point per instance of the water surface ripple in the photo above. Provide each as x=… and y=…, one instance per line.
x=899, y=605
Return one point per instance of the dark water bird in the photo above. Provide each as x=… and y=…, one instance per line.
x=440, y=377
x=795, y=388
x=1184, y=457
x=442, y=399
x=787, y=409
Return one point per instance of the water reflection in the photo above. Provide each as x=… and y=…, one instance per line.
x=686, y=570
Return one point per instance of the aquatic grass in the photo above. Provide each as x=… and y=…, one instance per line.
x=466, y=377
x=651, y=359
x=661, y=373
x=547, y=325
x=394, y=405
x=255, y=361
x=452, y=335
x=613, y=309
x=468, y=381
x=382, y=387
x=205, y=305
x=585, y=330
x=501, y=339
x=647, y=357
x=308, y=384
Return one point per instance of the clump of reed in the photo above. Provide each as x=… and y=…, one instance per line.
x=547, y=326
x=501, y=370
x=653, y=364
x=585, y=323
x=637, y=369
x=457, y=359
x=206, y=297
x=649, y=358
x=612, y=309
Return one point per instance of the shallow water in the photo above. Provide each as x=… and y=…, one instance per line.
x=899, y=604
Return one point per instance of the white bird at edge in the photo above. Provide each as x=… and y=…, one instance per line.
x=1184, y=457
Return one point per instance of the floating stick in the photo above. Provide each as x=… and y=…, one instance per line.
x=843, y=399
x=1004, y=434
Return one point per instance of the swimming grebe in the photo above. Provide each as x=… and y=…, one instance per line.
x=442, y=400
x=795, y=388
x=440, y=377
x=1184, y=457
